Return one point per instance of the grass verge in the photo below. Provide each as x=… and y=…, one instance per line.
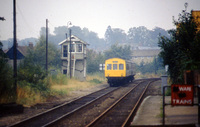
x=57, y=86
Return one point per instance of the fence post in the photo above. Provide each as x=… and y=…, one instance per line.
x=198, y=104
x=164, y=82
x=163, y=121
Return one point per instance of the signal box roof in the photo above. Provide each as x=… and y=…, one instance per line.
x=73, y=39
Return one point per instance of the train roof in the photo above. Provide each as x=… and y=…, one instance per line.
x=129, y=61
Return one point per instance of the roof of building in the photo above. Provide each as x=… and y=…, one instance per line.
x=73, y=39
x=145, y=53
x=10, y=55
x=21, y=51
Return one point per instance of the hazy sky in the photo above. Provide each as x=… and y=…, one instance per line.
x=96, y=15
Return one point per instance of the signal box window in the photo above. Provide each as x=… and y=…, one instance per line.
x=72, y=48
x=121, y=66
x=114, y=66
x=109, y=66
x=65, y=50
x=79, y=47
x=64, y=71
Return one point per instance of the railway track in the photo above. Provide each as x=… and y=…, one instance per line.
x=82, y=111
x=122, y=111
x=57, y=112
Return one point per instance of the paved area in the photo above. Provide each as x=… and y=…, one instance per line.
x=150, y=113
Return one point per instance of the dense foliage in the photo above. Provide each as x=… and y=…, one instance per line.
x=54, y=54
x=30, y=73
x=155, y=67
x=6, y=74
x=93, y=60
x=181, y=50
x=116, y=51
x=32, y=69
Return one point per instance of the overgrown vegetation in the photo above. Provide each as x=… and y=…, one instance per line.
x=154, y=67
x=67, y=86
x=116, y=51
x=181, y=51
x=35, y=86
x=6, y=80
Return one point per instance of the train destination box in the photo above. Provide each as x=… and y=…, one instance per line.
x=182, y=95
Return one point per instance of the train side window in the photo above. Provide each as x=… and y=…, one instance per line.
x=114, y=66
x=121, y=66
x=109, y=66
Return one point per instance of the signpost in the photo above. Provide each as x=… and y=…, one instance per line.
x=182, y=95
x=101, y=67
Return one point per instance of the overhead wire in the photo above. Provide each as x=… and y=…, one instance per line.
x=30, y=29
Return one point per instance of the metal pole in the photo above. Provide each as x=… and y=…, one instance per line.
x=155, y=66
x=198, y=104
x=70, y=44
x=15, y=47
x=163, y=121
x=46, y=46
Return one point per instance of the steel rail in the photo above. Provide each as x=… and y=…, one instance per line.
x=56, y=121
x=52, y=123
x=26, y=121
x=20, y=123
x=112, y=106
x=129, y=118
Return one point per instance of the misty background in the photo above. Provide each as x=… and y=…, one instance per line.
x=137, y=37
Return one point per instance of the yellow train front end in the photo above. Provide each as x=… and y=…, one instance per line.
x=115, y=67
x=116, y=71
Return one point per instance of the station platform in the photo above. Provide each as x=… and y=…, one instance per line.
x=150, y=113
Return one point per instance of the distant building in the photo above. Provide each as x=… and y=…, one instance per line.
x=145, y=55
x=21, y=53
x=78, y=57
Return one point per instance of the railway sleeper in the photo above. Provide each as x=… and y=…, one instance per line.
x=116, y=81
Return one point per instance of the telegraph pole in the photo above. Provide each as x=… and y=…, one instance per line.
x=70, y=52
x=46, y=46
x=15, y=47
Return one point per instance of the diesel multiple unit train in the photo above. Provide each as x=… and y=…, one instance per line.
x=119, y=71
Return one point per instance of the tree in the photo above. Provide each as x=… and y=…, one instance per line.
x=6, y=76
x=181, y=50
x=115, y=35
x=123, y=52
x=32, y=70
x=31, y=73
x=93, y=61
x=139, y=35
x=153, y=67
x=40, y=54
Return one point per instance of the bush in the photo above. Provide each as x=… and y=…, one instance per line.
x=29, y=95
x=58, y=78
x=96, y=81
x=7, y=93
